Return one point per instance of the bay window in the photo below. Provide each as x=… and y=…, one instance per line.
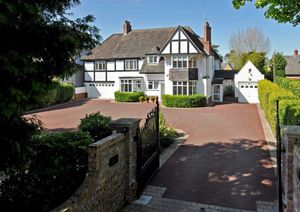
x=131, y=85
x=184, y=87
x=179, y=61
x=192, y=62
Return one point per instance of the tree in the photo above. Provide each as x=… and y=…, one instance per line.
x=258, y=59
x=40, y=41
x=249, y=40
x=282, y=11
x=279, y=61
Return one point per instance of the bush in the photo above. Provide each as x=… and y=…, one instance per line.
x=153, y=98
x=65, y=92
x=142, y=98
x=290, y=112
x=128, y=96
x=96, y=125
x=57, y=170
x=269, y=93
x=166, y=133
x=289, y=84
x=47, y=97
x=196, y=100
x=229, y=91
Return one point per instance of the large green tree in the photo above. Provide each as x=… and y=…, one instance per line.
x=278, y=64
x=283, y=11
x=39, y=41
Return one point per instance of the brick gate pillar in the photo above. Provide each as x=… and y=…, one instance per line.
x=291, y=167
x=129, y=127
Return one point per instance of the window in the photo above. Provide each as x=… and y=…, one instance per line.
x=152, y=59
x=153, y=85
x=100, y=65
x=192, y=62
x=184, y=88
x=131, y=85
x=130, y=64
x=179, y=62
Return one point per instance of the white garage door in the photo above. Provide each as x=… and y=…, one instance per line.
x=248, y=92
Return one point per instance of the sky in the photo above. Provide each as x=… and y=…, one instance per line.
x=223, y=18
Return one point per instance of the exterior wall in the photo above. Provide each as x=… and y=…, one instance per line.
x=111, y=181
x=154, y=77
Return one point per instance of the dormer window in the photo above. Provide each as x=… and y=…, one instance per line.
x=153, y=59
x=100, y=65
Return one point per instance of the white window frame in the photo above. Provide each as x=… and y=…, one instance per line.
x=130, y=85
x=184, y=87
x=153, y=85
x=192, y=62
x=153, y=59
x=181, y=61
x=100, y=65
x=131, y=65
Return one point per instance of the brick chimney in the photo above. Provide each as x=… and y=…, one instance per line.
x=126, y=27
x=207, y=38
x=296, y=52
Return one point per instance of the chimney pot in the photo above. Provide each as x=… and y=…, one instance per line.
x=127, y=27
x=296, y=52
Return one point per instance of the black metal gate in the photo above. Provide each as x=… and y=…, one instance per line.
x=279, y=160
x=148, y=149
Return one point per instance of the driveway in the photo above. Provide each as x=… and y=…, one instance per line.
x=224, y=162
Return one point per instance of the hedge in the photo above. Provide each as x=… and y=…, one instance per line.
x=269, y=93
x=196, y=100
x=57, y=168
x=65, y=92
x=289, y=84
x=128, y=96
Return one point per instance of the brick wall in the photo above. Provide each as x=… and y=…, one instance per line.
x=111, y=179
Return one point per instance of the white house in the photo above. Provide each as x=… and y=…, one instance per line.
x=156, y=61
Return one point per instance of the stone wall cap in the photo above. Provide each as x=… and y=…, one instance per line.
x=125, y=121
x=291, y=130
x=105, y=140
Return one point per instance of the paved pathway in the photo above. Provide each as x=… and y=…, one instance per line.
x=225, y=161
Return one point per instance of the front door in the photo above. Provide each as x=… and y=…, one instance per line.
x=217, y=93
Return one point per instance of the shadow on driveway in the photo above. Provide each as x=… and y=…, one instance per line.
x=235, y=174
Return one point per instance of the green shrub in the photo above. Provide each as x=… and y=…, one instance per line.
x=229, y=91
x=142, y=98
x=166, y=133
x=57, y=170
x=96, y=125
x=289, y=84
x=269, y=93
x=65, y=92
x=128, y=96
x=290, y=112
x=147, y=98
x=196, y=100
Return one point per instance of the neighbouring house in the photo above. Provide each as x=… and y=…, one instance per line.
x=228, y=67
x=244, y=83
x=292, y=69
x=158, y=61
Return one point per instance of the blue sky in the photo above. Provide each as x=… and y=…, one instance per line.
x=223, y=18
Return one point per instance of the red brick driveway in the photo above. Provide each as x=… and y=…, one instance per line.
x=225, y=160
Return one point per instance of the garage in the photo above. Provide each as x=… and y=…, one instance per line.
x=246, y=83
x=248, y=92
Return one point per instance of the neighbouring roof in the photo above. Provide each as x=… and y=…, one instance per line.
x=136, y=44
x=293, y=65
x=153, y=68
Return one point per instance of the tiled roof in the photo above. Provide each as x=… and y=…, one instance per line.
x=135, y=44
x=293, y=65
x=153, y=68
